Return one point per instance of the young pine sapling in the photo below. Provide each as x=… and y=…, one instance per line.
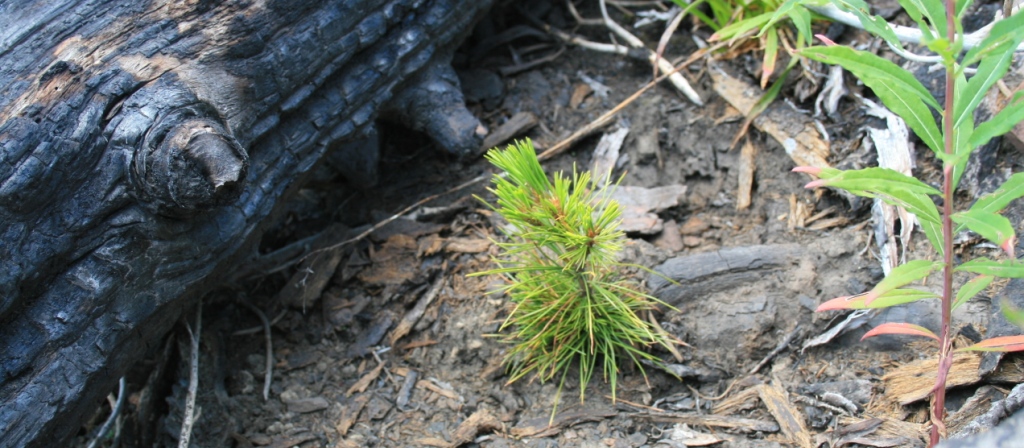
x=572, y=303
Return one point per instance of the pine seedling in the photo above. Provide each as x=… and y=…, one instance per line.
x=952, y=140
x=572, y=303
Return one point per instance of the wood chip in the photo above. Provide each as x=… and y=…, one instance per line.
x=394, y=263
x=365, y=381
x=307, y=405
x=893, y=428
x=410, y=318
x=468, y=245
x=429, y=245
x=715, y=421
x=478, y=422
x=417, y=344
x=350, y=414
x=669, y=238
x=606, y=154
x=292, y=440
x=829, y=223
x=741, y=401
x=640, y=206
x=915, y=381
x=746, y=175
x=798, y=213
x=795, y=131
x=432, y=441
x=310, y=279
x=539, y=427
x=519, y=123
x=977, y=405
x=450, y=394
x=681, y=433
x=579, y=93
x=790, y=420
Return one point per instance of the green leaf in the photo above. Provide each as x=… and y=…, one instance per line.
x=991, y=69
x=782, y=11
x=893, y=188
x=771, y=52
x=873, y=24
x=1013, y=314
x=900, y=328
x=1000, y=344
x=802, y=21
x=1001, y=268
x=1001, y=123
x=903, y=275
x=933, y=231
x=888, y=299
x=737, y=29
x=916, y=11
x=900, y=276
x=935, y=12
x=896, y=87
x=879, y=180
x=692, y=8
x=971, y=289
x=961, y=6
x=1002, y=41
x=991, y=226
x=910, y=108
x=997, y=200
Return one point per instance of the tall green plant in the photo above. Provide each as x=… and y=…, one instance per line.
x=572, y=305
x=952, y=140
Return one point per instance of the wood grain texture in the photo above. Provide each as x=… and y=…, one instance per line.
x=143, y=146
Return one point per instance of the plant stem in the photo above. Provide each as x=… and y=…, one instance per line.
x=945, y=352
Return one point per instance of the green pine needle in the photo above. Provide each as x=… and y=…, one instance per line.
x=572, y=306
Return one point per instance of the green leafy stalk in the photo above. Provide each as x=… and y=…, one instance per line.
x=572, y=305
x=952, y=141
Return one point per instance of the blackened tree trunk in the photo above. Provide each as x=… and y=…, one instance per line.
x=144, y=144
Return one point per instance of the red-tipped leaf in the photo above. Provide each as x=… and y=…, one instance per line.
x=900, y=328
x=812, y=170
x=1000, y=344
x=869, y=300
x=825, y=39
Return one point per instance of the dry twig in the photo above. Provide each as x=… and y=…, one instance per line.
x=193, y=381
x=113, y=414
x=675, y=78
x=269, y=370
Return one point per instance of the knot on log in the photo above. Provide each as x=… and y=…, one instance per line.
x=188, y=162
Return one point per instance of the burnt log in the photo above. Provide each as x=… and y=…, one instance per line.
x=144, y=146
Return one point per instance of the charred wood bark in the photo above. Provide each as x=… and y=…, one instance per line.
x=143, y=145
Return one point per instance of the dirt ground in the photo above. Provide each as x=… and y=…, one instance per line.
x=386, y=342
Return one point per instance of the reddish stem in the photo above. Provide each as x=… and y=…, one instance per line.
x=945, y=350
